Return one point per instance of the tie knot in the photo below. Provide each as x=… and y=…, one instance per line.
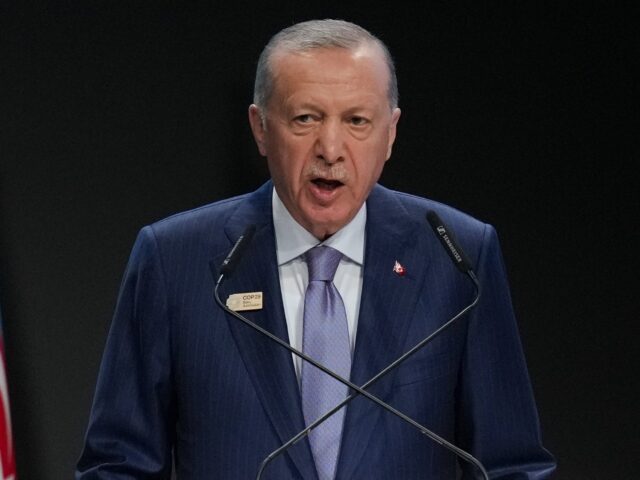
x=322, y=262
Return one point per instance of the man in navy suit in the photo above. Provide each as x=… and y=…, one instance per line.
x=183, y=383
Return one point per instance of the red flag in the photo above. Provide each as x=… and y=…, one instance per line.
x=7, y=458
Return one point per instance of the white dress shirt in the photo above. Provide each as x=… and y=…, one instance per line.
x=292, y=241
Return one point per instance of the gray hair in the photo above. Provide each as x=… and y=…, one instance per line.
x=317, y=34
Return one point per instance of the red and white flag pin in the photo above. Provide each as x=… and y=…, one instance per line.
x=398, y=269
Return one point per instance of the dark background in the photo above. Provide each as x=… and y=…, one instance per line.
x=113, y=116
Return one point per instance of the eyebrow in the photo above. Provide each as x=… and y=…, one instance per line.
x=358, y=109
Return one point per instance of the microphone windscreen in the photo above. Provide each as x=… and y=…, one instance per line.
x=229, y=264
x=448, y=242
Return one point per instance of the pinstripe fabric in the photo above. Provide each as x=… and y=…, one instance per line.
x=179, y=374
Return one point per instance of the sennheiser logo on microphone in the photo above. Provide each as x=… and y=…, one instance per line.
x=445, y=237
x=440, y=230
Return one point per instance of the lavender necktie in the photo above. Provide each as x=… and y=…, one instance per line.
x=326, y=340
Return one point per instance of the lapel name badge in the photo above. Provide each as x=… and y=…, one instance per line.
x=240, y=302
x=398, y=269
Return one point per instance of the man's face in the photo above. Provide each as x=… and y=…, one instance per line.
x=327, y=132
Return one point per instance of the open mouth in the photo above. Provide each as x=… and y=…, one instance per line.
x=325, y=184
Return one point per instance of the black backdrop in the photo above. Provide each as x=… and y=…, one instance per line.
x=113, y=116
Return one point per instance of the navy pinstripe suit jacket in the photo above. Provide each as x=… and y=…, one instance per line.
x=181, y=377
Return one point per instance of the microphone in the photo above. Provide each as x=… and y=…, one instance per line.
x=230, y=262
x=463, y=264
x=233, y=258
x=448, y=242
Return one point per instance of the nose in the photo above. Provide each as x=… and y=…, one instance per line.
x=329, y=145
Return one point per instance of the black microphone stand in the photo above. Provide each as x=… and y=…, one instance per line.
x=229, y=265
x=433, y=436
x=359, y=390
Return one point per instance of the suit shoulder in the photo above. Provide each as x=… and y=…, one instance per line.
x=460, y=222
x=197, y=221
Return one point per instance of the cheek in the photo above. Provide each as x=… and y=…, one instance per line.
x=368, y=168
x=288, y=164
x=297, y=155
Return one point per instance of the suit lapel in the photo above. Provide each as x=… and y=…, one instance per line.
x=386, y=309
x=269, y=365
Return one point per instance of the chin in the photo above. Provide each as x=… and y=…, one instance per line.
x=328, y=219
x=328, y=227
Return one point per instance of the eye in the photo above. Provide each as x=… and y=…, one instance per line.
x=303, y=119
x=358, y=121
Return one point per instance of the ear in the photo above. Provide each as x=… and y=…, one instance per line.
x=395, y=116
x=256, y=120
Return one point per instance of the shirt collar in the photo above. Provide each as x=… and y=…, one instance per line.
x=292, y=240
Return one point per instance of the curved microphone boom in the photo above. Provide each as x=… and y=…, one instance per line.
x=227, y=268
x=463, y=264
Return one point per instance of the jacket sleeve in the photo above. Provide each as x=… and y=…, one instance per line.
x=131, y=427
x=498, y=422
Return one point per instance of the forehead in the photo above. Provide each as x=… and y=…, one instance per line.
x=362, y=69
